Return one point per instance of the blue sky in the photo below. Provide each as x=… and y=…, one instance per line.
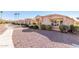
x=30, y=14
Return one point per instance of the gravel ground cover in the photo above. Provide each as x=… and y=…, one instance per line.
x=29, y=38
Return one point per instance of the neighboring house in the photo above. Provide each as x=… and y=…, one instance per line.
x=24, y=21
x=28, y=20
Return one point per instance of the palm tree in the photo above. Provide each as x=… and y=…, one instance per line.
x=1, y=13
x=17, y=15
x=38, y=21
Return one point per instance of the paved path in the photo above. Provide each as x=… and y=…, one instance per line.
x=6, y=38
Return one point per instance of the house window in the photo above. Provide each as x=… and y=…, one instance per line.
x=61, y=22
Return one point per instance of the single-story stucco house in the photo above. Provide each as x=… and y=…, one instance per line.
x=55, y=20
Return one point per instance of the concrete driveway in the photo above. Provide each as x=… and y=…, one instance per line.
x=6, y=38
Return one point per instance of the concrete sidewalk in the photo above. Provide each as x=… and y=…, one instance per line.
x=6, y=39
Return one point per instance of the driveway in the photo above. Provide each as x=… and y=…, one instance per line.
x=2, y=28
x=6, y=38
x=26, y=38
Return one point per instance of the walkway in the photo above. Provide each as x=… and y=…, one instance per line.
x=6, y=38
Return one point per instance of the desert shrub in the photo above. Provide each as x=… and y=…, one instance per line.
x=34, y=27
x=14, y=23
x=77, y=28
x=34, y=23
x=74, y=29
x=43, y=27
x=48, y=27
x=31, y=26
x=64, y=28
x=1, y=22
x=26, y=25
x=22, y=24
x=17, y=23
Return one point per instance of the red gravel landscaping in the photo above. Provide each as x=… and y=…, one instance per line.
x=29, y=38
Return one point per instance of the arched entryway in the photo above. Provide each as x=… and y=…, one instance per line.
x=56, y=22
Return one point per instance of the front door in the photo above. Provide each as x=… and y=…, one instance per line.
x=56, y=23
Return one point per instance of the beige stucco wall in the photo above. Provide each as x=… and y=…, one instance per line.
x=46, y=19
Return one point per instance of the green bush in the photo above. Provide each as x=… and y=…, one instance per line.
x=30, y=26
x=71, y=28
x=64, y=28
x=43, y=27
x=14, y=23
x=74, y=29
x=24, y=25
x=34, y=27
x=77, y=28
x=17, y=23
x=48, y=27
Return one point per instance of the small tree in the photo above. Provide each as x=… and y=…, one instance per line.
x=1, y=13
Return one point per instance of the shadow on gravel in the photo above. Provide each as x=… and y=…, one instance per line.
x=26, y=30
x=55, y=36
